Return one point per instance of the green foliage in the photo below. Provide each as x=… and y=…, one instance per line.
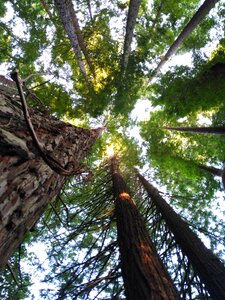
x=14, y=281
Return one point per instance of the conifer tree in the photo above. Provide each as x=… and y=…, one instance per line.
x=144, y=275
x=209, y=268
x=33, y=171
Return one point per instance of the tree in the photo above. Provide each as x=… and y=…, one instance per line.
x=28, y=184
x=195, y=20
x=131, y=20
x=80, y=222
x=207, y=265
x=143, y=273
x=96, y=273
x=215, y=130
x=71, y=24
x=200, y=89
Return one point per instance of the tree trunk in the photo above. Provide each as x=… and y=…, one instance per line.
x=208, y=267
x=212, y=170
x=131, y=21
x=203, y=10
x=67, y=20
x=215, y=130
x=223, y=176
x=80, y=36
x=144, y=275
x=27, y=183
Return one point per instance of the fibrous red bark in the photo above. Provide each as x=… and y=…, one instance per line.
x=208, y=267
x=27, y=183
x=144, y=274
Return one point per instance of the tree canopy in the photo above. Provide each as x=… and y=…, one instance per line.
x=97, y=64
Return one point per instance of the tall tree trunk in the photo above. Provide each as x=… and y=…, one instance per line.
x=27, y=183
x=145, y=276
x=211, y=170
x=131, y=21
x=64, y=8
x=214, y=171
x=203, y=10
x=208, y=267
x=80, y=36
x=215, y=130
x=89, y=9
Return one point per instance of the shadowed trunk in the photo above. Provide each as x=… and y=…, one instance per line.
x=211, y=170
x=144, y=274
x=208, y=267
x=27, y=183
x=131, y=21
x=215, y=130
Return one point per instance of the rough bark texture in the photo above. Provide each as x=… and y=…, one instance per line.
x=144, y=275
x=27, y=184
x=208, y=267
x=215, y=130
x=203, y=10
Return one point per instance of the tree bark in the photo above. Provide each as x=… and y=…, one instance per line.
x=215, y=130
x=144, y=275
x=27, y=183
x=203, y=10
x=65, y=7
x=208, y=267
x=131, y=21
x=80, y=36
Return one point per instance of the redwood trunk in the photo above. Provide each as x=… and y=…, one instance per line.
x=203, y=10
x=215, y=130
x=144, y=275
x=27, y=183
x=68, y=22
x=131, y=21
x=208, y=267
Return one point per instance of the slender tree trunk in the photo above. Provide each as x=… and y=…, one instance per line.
x=131, y=21
x=215, y=130
x=208, y=267
x=68, y=22
x=203, y=10
x=214, y=171
x=80, y=36
x=211, y=170
x=27, y=183
x=89, y=9
x=145, y=276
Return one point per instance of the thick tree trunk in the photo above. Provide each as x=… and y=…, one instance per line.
x=215, y=130
x=27, y=183
x=144, y=275
x=203, y=10
x=131, y=21
x=208, y=267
